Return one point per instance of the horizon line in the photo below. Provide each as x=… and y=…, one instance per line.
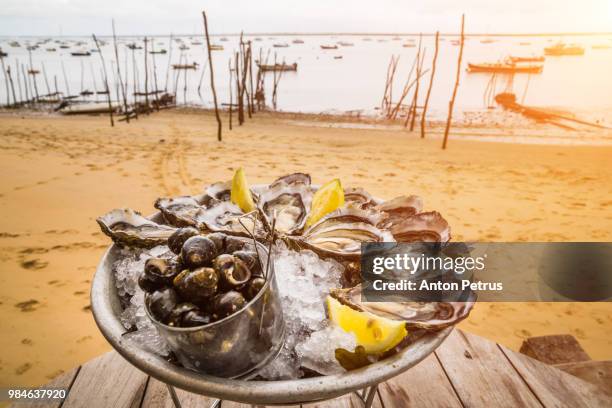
x=324, y=33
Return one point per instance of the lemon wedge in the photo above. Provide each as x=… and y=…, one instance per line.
x=241, y=194
x=376, y=334
x=327, y=199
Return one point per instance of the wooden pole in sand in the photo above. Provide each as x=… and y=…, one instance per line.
x=451, y=104
x=65, y=79
x=169, y=62
x=25, y=83
x=431, y=80
x=231, y=84
x=136, y=85
x=19, y=82
x=46, y=79
x=252, y=101
x=238, y=91
x=125, y=104
x=419, y=68
x=6, y=83
x=32, y=72
x=212, y=77
x=154, y=73
x=146, y=78
x=8, y=72
x=108, y=95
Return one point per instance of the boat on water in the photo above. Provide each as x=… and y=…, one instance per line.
x=562, y=49
x=185, y=66
x=51, y=49
x=337, y=56
x=196, y=43
x=280, y=45
x=14, y=44
x=487, y=41
x=505, y=68
x=80, y=53
x=134, y=46
x=278, y=67
x=88, y=108
x=64, y=46
x=3, y=54
x=329, y=47
x=515, y=60
x=214, y=47
x=409, y=45
x=298, y=41
x=345, y=44
x=162, y=51
x=223, y=39
x=33, y=71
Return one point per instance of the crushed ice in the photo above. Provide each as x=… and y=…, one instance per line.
x=304, y=281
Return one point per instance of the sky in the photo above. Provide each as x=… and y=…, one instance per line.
x=84, y=17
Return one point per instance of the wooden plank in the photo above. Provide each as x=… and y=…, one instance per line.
x=414, y=387
x=556, y=349
x=346, y=401
x=598, y=373
x=61, y=381
x=107, y=381
x=480, y=373
x=157, y=396
x=554, y=387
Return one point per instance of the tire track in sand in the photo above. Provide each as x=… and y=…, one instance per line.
x=171, y=167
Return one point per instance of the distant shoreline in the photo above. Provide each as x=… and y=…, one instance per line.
x=346, y=34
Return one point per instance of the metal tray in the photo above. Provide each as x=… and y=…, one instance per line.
x=106, y=309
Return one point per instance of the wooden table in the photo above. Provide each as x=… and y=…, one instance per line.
x=465, y=371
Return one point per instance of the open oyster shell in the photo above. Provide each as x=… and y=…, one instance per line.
x=400, y=208
x=294, y=178
x=128, y=227
x=358, y=197
x=226, y=217
x=180, y=211
x=289, y=204
x=422, y=227
x=422, y=315
x=340, y=234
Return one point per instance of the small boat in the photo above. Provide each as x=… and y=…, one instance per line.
x=64, y=46
x=367, y=39
x=223, y=39
x=162, y=51
x=80, y=53
x=345, y=44
x=329, y=47
x=505, y=68
x=298, y=41
x=3, y=54
x=185, y=66
x=134, y=46
x=87, y=92
x=51, y=49
x=196, y=43
x=33, y=71
x=526, y=59
x=278, y=67
x=282, y=45
x=487, y=41
x=257, y=38
x=214, y=47
x=14, y=44
x=601, y=46
x=562, y=49
x=408, y=45
x=88, y=108
x=337, y=56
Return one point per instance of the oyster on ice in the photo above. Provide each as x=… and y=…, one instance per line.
x=226, y=217
x=358, y=197
x=180, y=211
x=422, y=315
x=340, y=234
x=400, y=208
x=128, y=227
x=294, y=178
x=288, y=203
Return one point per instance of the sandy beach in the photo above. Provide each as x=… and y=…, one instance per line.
x=60, y=173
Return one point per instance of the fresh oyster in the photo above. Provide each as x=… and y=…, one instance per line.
x=289, y=204
x=358, y=197
x=128, y=227
x=180, y=211
x=422, y=227
x=341, y=233
x=227, y=217
x=422, y=315
x=400, y=208
x=220, y=191
x=294, y=178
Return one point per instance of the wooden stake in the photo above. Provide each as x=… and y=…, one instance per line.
x=8, y=72
x=146, y=78
x=108, y=94
x=19, y=82
x=415, y=101
x=431, y=80
x=33, y=75
x=212, y=77
x=46, y=79
x=136, y=85
x=451, y=104
x=125, y=103
x=66, y=80
x=25, y=83
x=231, y=84
x=154, y=73
x=169, y=61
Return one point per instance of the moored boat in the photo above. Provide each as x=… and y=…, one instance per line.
x=80, y=53
x=280, y=45
x=214, y=47
x=329, y=47
x=526, y=59
x=278, y=67
x=185, y=66
x=562, y=49
x=505, y=68
x=162, y=51
x=298, y=41
x=88, y=108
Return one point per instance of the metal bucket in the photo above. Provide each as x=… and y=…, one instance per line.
x=237, y=345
